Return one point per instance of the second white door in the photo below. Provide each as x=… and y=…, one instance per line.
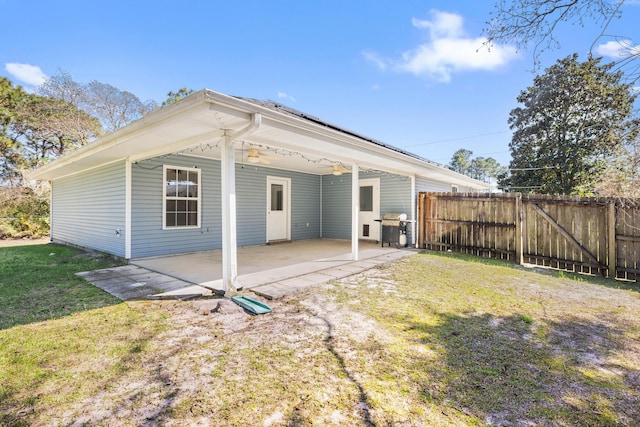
x=369, y=229
x=278, y=208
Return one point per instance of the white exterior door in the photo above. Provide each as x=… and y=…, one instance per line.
x=278, y=208
x=369, y=210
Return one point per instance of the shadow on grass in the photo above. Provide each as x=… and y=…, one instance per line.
x=561, y=274
x=511, y=371
x=364, y=401
x=38, y=282
x=297, y=418
x=52, y=375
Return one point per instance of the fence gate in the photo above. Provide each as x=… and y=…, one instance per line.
x=586, y=235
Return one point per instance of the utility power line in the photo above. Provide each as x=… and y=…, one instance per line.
x=456, y=139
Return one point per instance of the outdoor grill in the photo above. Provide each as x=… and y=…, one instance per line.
x=394, y=229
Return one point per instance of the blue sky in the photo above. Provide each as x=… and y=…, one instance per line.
x=408, y=73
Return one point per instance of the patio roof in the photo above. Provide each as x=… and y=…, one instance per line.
x=291, y=139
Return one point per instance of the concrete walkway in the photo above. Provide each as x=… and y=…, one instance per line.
x=268, y=271
x=131, y=282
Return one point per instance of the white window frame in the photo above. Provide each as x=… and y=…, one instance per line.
x=454, y=189
x=164, y=197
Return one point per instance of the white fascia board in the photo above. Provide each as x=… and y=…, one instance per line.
x=274, y=118
x=120, y=136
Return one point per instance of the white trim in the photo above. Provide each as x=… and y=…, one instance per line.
x=127, y=209
x=86, y=170
x=414, y=210
x=355, y=210
x=287, y=201
x=207, y=104
x=321, y=204
x=229, y=232
x=164, y=197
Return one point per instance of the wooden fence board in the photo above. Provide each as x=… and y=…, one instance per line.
x=587, y=235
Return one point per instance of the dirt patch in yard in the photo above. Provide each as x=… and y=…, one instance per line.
x=7, y=243
x=428, y=341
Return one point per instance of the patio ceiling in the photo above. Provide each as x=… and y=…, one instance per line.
x=198, y=124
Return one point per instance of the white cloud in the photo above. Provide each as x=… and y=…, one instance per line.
x=31, y=75
x=618, y=49
x=447, y=51
x=375, y=59
x=443, y=25
x=282, y=95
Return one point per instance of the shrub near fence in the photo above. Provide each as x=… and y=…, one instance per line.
x=23, y=213
x=579, y=234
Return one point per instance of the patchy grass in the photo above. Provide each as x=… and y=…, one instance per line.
x=432, y=340
x=506, y=346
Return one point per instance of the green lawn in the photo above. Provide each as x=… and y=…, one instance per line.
x=431, y=340
x=38, y=283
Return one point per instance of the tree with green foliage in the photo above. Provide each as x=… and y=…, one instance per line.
x=621, y=177
x=572, y=120
x=173, y=97
x=10, y=99
x=34, y=129
x=486, y=169
x=461, y=161
x=46, y=128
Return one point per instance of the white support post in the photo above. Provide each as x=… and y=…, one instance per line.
x=355, y=210
x=414, y=211
x=229, y=239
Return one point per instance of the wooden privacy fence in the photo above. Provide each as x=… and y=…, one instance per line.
x=581, y=234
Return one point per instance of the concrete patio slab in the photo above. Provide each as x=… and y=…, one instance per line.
x=269, y=271
x=132, y=282
x=203, y=267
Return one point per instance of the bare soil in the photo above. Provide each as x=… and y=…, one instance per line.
x=6, y=243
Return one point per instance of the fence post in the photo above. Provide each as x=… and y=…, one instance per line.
x=518, y=234
x=612, y=260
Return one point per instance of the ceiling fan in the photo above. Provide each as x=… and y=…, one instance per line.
x=254, y=156
x=337, y=169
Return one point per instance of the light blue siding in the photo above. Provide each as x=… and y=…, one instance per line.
x=149, y=239
x=395, y=193
x=336, y=206
x=147, y=236
x=89, y=207
x=251, y=184
x=395, y=197
x=423, y=184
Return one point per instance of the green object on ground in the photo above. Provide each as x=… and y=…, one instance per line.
x=252, y=305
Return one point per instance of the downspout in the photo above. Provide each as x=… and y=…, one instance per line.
x=256, y=122
x=229, y=217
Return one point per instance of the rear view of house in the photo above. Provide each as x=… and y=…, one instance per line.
x=217, y=172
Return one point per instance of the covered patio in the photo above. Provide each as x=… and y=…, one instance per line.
x=275, y=270
x=212, y=174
